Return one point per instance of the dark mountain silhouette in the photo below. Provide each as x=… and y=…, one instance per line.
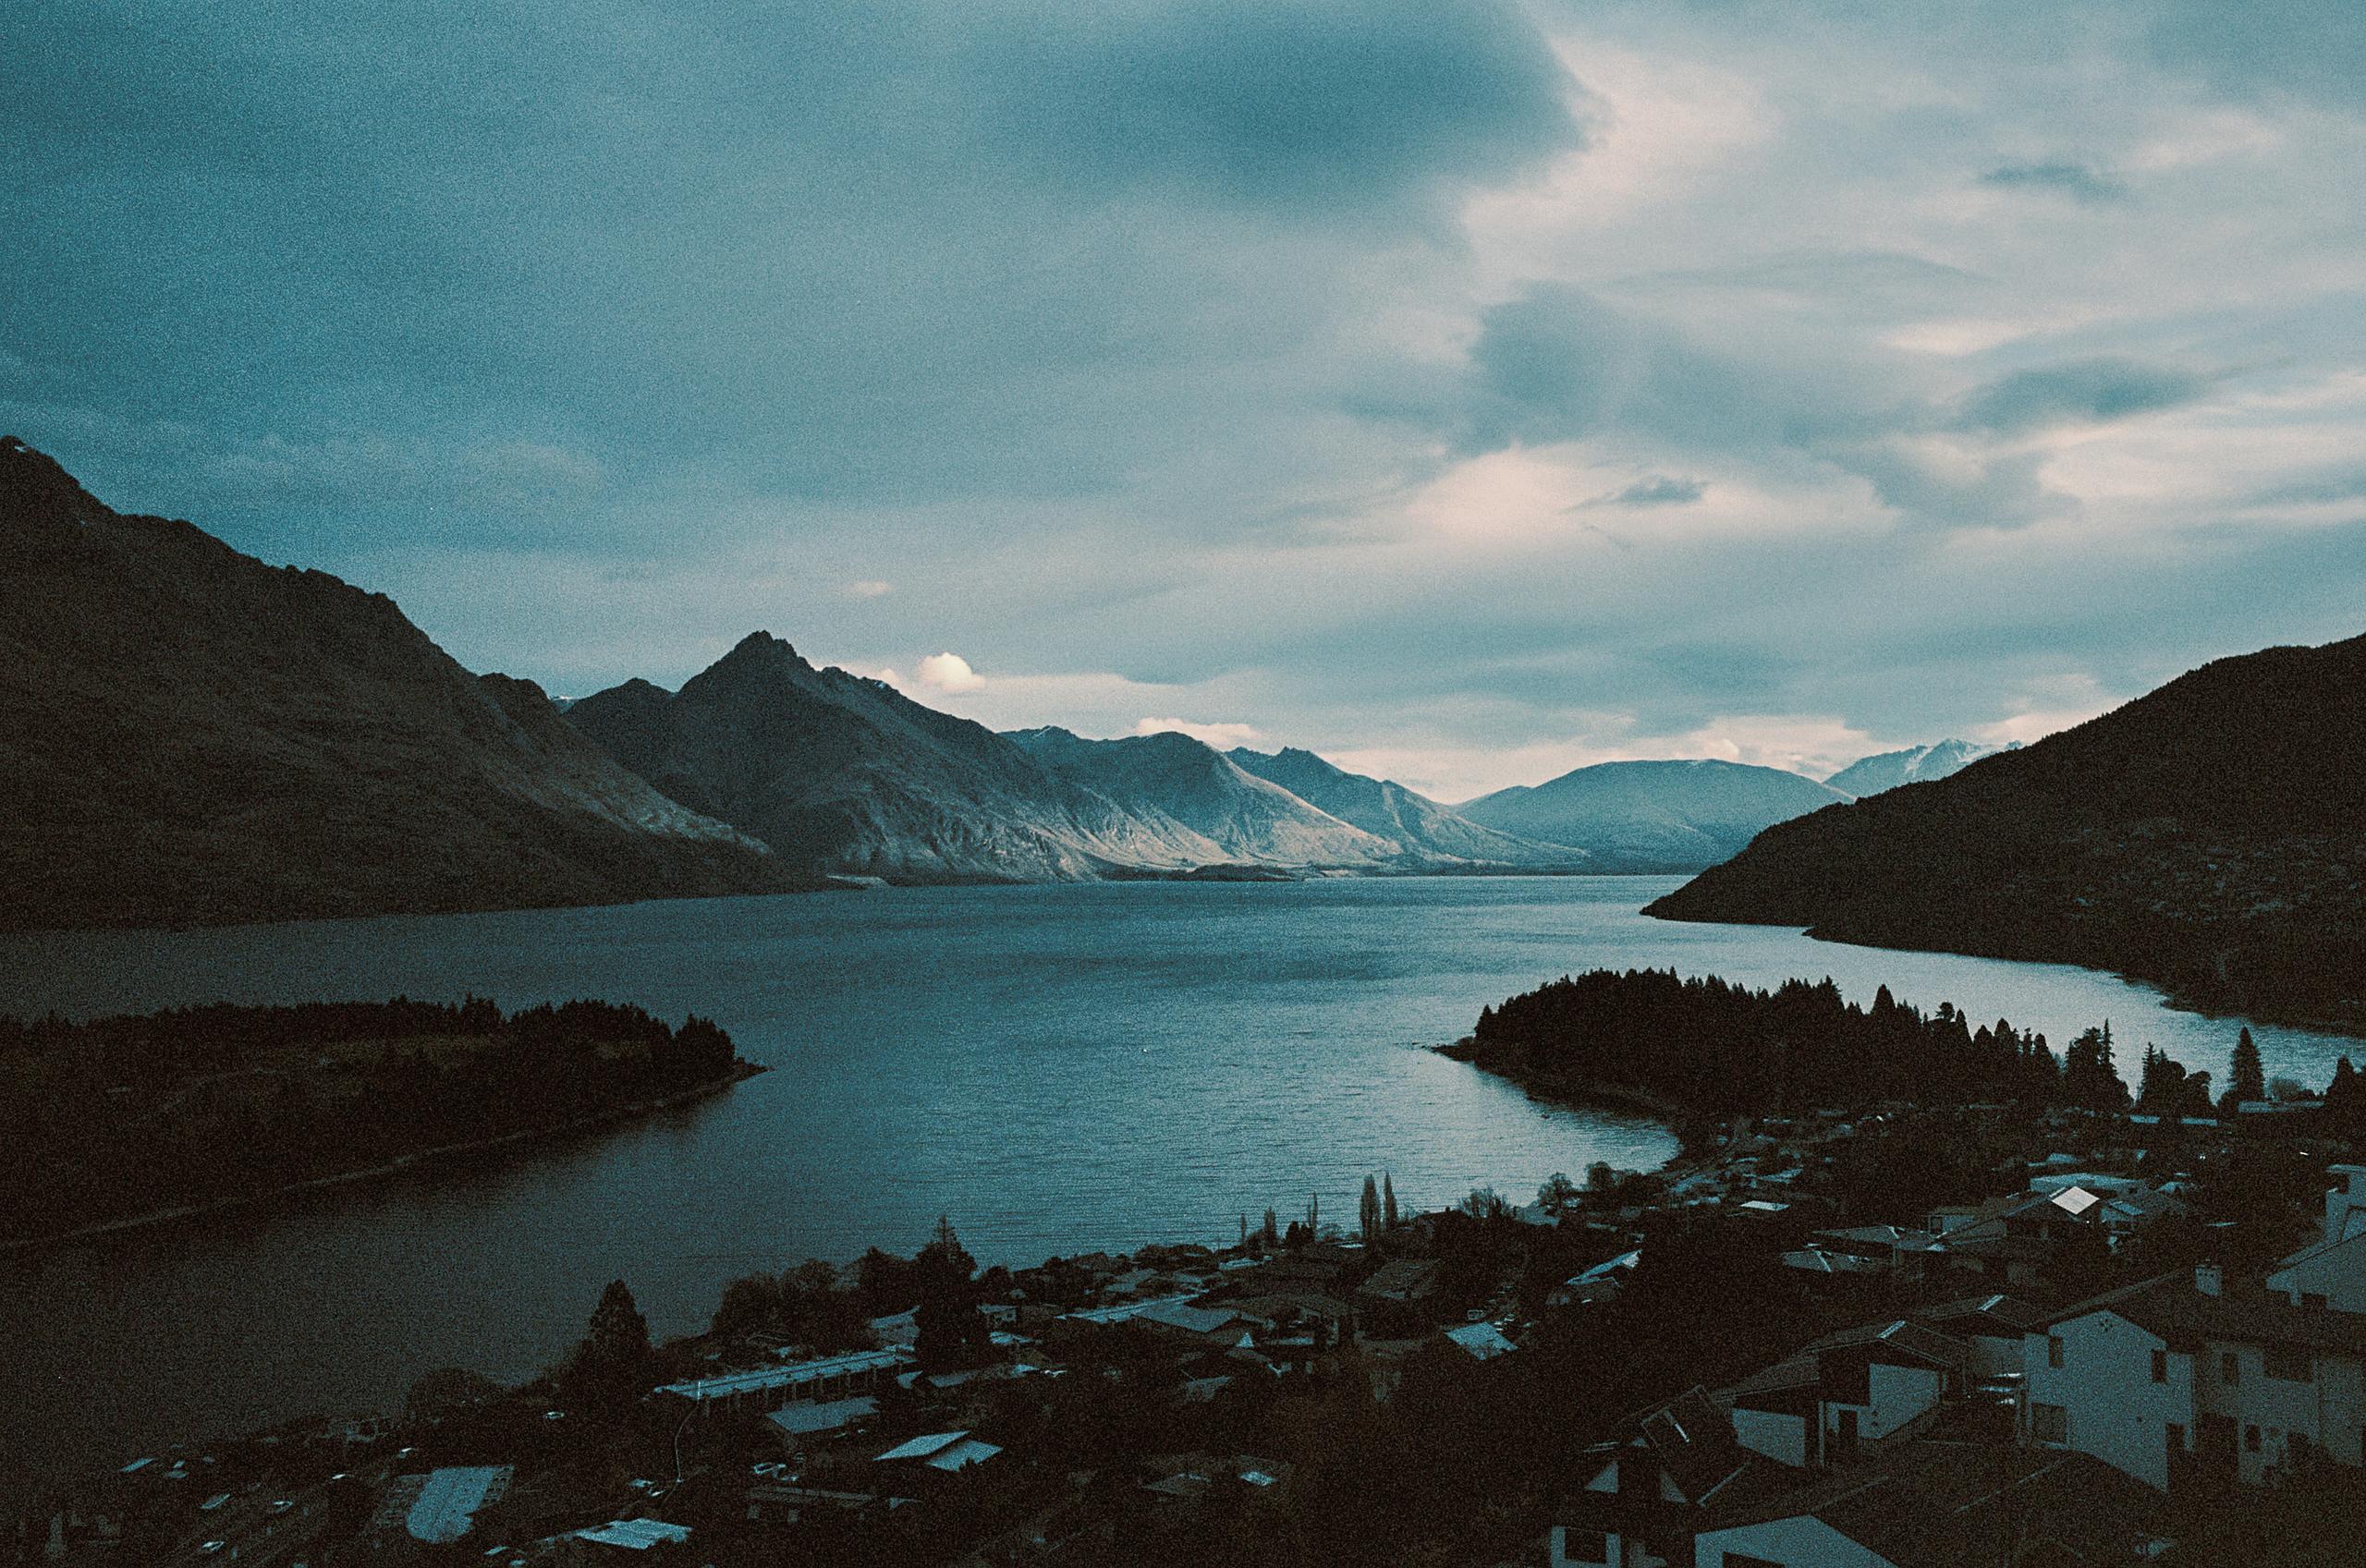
x=1416, y=824
x=1174, y=777
x=842, y=773
x=1677, y=816
x=1916, y=764
x=2209, y=837
x=188, y=736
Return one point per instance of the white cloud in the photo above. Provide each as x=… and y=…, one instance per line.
x=949, y=673
x=1220, y=736
x=871, y=587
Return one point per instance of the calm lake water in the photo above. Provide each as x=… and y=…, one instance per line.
x=1059, y=1069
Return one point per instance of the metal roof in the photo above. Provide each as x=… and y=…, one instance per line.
x=798, y=1420
x=761, y=1378
x=636, y=1534
x=450, y=1498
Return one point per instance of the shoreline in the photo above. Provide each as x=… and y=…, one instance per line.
x=741, y=1071
x=1595, y=1094
x=2172, y=998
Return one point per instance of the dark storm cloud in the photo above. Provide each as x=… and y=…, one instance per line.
x=1271, y=349
x=828, y=249
x=1657, y=490
x=2075, y=180
x=2091, y=390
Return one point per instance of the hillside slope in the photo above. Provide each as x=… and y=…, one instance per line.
x=2209, y=837
x=190, y=736
x=1677, y=816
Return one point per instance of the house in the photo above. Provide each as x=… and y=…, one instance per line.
x=1481, y=1341
x=2185, y=1379
x=794, y=1422
x=1213, y=1328
x=1846, y=1390
x=1600, y=1282
x=635, y=1535
x=2330, y=1274
x=1650, y=1493
x=1864, y=1250
x=1994, y=1326
x=1945, y=1505
x=769, y=1388
x=947, y=1451
x=1400, y=1298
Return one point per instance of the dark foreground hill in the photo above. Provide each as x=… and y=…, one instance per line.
x=2210, y=838
x=190, y=736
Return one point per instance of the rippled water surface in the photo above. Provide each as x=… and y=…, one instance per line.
x=1059, y=1069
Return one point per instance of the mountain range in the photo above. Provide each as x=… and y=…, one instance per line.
x=2209, y=837
x=189, y=735
x=1412, y=820
x=1916, y=764
x=194, y=737
x=842, y=774
x=1676, y=816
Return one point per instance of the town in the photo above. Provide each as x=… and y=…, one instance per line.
x=1869, y=1334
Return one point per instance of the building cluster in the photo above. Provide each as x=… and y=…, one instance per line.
x=1979, y=1403
x=1988, y=1429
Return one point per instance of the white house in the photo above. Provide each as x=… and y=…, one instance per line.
x=1994, y=1326
x=1848, y=1390
x=2330, y=1274
x=2182, y=1380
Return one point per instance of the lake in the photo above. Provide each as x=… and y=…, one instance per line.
x=1059, y=1069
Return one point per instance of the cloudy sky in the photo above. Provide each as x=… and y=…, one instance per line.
x=1465, y=391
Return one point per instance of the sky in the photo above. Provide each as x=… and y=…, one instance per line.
x=1465, y=391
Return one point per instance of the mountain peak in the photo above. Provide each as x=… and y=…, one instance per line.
x=760, y=642
x=1915, y=764
x=35, y=484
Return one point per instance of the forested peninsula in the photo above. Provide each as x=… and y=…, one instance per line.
x=1707, y=1048
x=124, y=1120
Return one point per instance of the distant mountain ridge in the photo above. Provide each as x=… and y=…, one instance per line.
x=1916, y=764
x=190, y=736
x=1654, y=816
x=1414, y=822
x=842, y=774
x=1173, y=776
x=2209, y=837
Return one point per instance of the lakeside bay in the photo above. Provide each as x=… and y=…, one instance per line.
x=1215, y=1049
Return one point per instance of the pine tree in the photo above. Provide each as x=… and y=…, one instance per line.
x=613, y=1365
x=1387, y=1202
x=1368, y=1210
x=2344, y=1095
x=951, y=1331
x=2247, y=1080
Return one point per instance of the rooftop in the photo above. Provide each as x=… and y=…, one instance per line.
x=763, y=1377
x=2170, y=1307
x=801, y=1419
x=449, y=1501
x=1939, y=1505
